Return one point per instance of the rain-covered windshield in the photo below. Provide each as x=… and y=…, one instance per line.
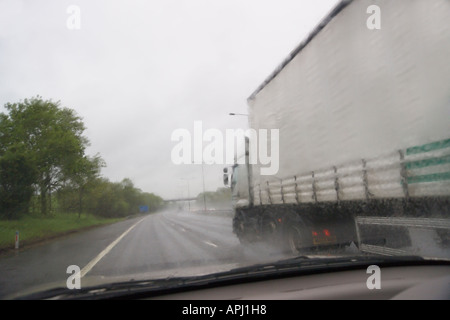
x=117, y=119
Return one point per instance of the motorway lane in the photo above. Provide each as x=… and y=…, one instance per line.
x=47, y=263
x=160, y=245
x=171, y=243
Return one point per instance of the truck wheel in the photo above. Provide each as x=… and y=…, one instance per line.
x=270, y=231
x=239, y=229
x=240, y=232
x=295, y=240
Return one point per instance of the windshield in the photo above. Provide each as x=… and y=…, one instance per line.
x=117, y=119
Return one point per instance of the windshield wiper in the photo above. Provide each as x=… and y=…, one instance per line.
x=310, y=263
x=284, y=268
x=107, y=291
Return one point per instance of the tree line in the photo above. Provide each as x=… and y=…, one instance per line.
x=44, y=167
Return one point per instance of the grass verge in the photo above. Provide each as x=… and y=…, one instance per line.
x=34, y=229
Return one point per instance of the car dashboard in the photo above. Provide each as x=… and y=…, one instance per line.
x=396, y=283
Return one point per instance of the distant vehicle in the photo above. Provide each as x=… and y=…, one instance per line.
x=364, y=136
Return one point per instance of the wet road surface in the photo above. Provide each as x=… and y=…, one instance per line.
x=165, y=244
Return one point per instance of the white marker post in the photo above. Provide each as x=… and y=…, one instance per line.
x=17, y=240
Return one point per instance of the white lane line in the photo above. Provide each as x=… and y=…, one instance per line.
x=211, y=244
x=94, y=261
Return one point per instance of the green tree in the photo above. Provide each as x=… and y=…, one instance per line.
x=151, y=200
x=130, y=195
x=106, y=199
x=50, y=136
x=16, y=184
x=81, y=175
x=109, y=199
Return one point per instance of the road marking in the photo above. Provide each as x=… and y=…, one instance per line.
x=211, y=244
x=94, y=261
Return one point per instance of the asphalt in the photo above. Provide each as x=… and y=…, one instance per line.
x=166, y=244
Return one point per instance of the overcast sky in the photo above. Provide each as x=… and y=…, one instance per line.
x=138, y=70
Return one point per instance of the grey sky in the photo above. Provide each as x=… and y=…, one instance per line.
x=138, y=70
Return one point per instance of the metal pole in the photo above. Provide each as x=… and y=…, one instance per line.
x=204, y=195
x=17, y=240
x=188, y=192
x=189, y=196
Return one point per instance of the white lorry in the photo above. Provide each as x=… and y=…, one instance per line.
x=363, y=113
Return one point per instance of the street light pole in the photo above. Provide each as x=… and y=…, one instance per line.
x=203, y=178
x=189, y=196
x=189, y=193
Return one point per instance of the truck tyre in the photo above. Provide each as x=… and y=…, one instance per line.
x=240, y=233
x=239, y=229
x=270, y=231
x=296, y=240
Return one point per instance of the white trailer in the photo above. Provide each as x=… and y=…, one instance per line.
x=364, y=132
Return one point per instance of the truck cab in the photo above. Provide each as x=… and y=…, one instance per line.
x=236, y=178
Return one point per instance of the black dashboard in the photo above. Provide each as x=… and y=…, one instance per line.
x=397, y=283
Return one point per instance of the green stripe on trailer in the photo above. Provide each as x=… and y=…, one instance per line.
x=427, y=163
x=429, y=178
x=428, y=147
